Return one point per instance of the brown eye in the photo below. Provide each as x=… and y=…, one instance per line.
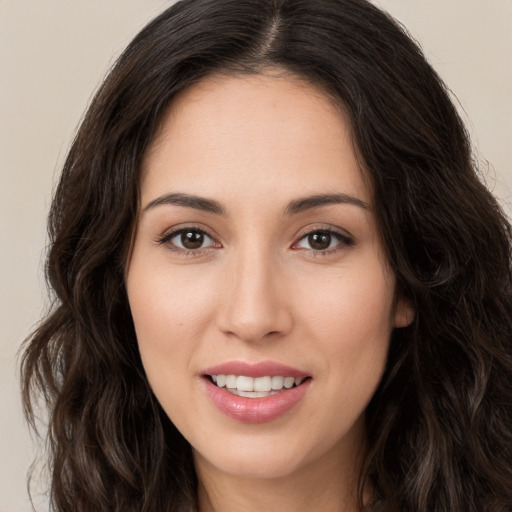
x=192, y=239
x=319, y=241
x=188, y=239
x=322, y=240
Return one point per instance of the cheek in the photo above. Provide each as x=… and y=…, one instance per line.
x=350, y=323
x=352, y=309
x=170, y=310
x=167, y=303
x=353, y=330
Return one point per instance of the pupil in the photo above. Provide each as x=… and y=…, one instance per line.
x=319, y=241
x=192, y=239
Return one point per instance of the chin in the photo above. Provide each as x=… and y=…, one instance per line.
x=262, y=457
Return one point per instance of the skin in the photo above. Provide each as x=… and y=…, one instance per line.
x=257, y=290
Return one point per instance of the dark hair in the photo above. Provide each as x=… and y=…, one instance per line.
x=440, y=424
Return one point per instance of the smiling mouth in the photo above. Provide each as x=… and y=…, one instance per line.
x=256, y=387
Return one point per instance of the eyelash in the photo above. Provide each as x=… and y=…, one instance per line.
x=344, y=240
x=166, y=239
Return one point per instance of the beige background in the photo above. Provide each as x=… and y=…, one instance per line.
x=53, y=53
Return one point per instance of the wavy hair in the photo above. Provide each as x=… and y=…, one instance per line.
x=440, y=424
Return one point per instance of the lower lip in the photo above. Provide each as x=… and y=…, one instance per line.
x=255, y=410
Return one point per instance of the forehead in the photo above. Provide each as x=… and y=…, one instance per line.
x=253, y=132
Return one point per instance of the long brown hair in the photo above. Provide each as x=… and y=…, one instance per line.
x=440, y=424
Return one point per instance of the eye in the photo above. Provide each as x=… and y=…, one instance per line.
x=188, y=239
x=322, y=240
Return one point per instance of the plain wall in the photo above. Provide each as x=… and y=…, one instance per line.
x=54, y=53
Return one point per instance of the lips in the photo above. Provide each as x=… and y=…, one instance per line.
x=255, y=393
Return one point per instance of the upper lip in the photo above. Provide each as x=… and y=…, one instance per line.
x=259, y=369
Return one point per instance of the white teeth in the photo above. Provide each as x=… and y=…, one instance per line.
x=244, y=383
x=263, y=384
x=289, y=382
x=277, y=382
x=253, y=387
x=231, y=381
x=251, y=394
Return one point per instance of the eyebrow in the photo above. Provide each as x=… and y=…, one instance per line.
x=294, y=207
x=317, y=201
x=189, y=201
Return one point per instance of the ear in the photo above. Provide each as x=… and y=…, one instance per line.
x=404, y=312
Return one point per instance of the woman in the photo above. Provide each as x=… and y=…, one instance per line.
x=279, y=282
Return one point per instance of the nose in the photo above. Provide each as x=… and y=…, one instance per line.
x=255, y=303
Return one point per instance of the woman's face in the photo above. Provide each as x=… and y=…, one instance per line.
x=257, y=263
